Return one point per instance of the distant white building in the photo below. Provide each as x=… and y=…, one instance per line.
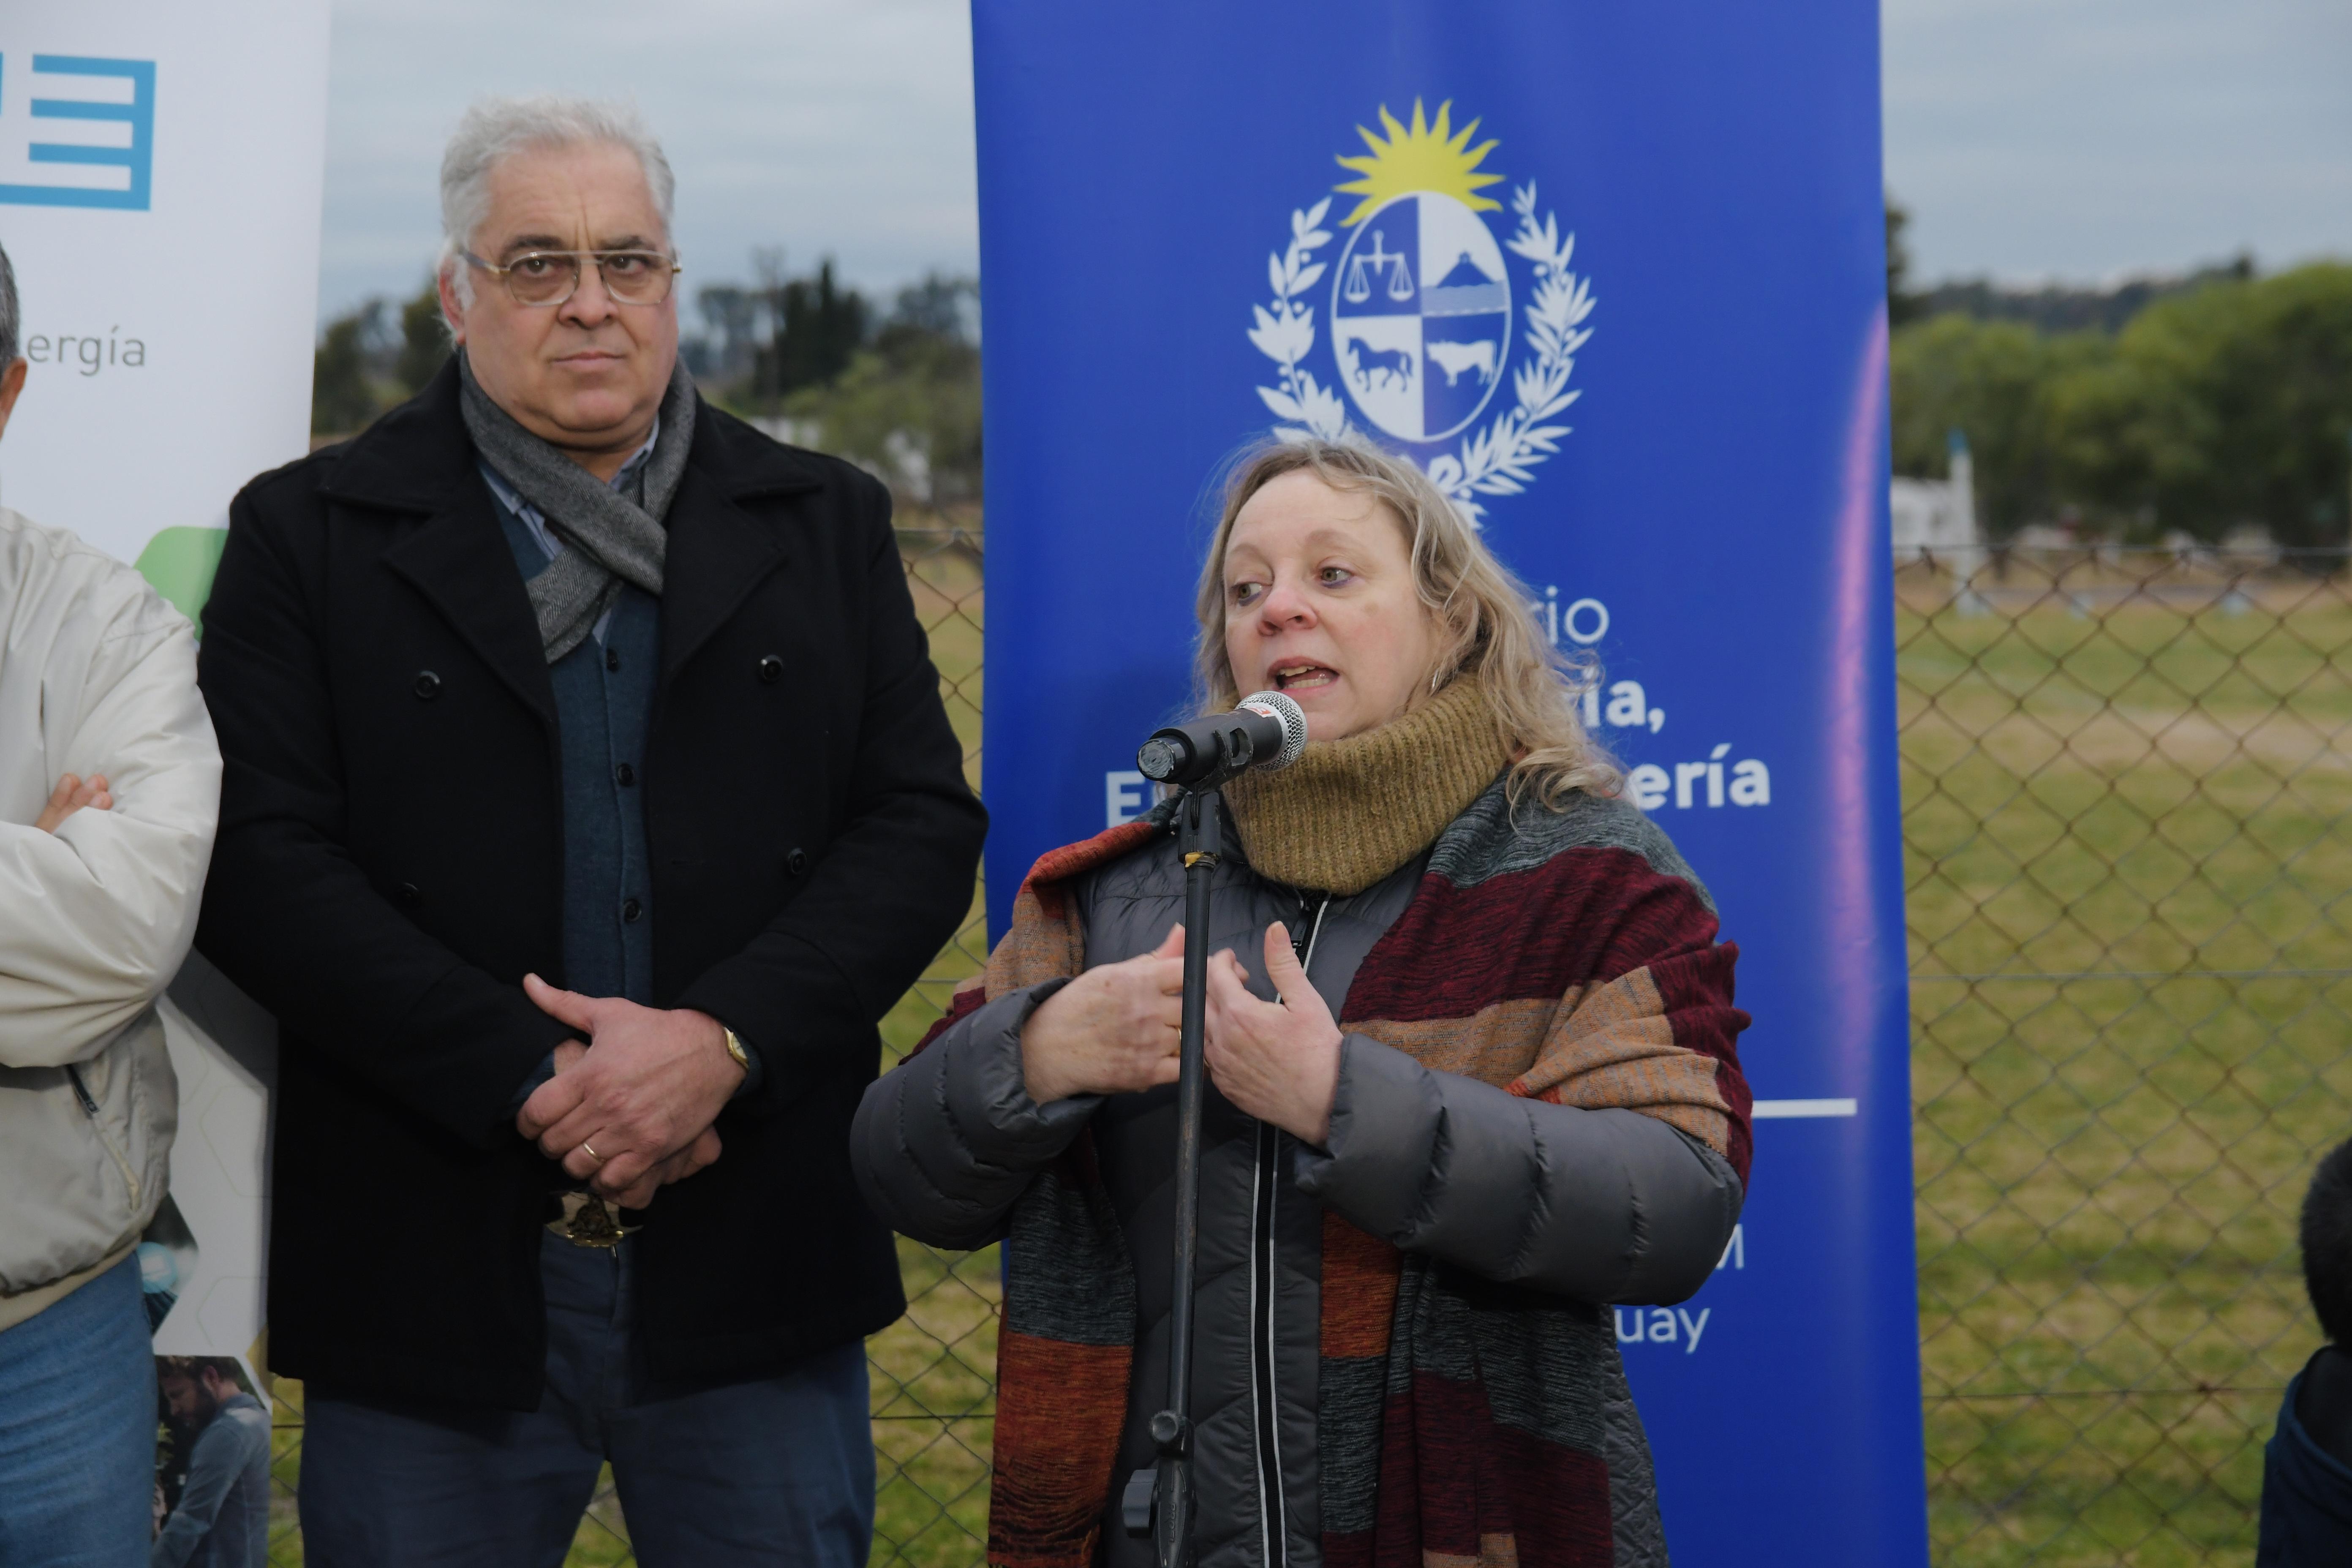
x=1939, y=515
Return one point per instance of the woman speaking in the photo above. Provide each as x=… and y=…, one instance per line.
x=1471, y=1043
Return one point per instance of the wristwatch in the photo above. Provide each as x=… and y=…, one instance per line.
x=735, y=1048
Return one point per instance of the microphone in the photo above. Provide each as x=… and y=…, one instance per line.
x=1267, y=729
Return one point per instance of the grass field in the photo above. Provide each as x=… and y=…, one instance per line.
x=2125, y=804
x=2126, y=799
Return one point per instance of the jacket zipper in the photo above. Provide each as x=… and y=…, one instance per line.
x=1274, y=1535
x=89, y=1109
x=1272, y=1506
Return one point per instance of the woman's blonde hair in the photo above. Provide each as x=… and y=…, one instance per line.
x=1489, y=629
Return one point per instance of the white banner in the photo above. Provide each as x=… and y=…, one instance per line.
x=161, y=167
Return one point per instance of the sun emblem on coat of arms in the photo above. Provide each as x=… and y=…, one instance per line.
x=1420, y=310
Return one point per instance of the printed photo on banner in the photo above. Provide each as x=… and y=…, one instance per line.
x=211, y=1463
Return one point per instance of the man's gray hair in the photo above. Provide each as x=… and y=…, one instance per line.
x=496, y=128
x=12, y=325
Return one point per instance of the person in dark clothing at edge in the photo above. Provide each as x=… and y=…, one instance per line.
x=589, y=799
x=2307, y=1467
x=1471, y=1039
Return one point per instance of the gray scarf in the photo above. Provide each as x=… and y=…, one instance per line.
x=610, y=537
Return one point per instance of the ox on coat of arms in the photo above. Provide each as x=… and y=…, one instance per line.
x=1420, y=305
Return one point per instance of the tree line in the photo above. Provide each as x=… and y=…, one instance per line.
x=373, y=356
x=894, y=387
x=2198, y=406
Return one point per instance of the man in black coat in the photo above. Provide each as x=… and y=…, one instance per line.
x=589, y=798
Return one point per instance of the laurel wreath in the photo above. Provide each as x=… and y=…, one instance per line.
x=1499, y=460
x=1285, y=334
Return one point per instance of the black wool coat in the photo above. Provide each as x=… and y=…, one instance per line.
x=390, y=866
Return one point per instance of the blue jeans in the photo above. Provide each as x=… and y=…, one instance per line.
x=77, y=1430
x=780, y=1471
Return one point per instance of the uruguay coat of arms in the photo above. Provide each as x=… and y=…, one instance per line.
x=1419, y=310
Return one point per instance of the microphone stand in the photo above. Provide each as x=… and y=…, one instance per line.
x=1198, y=838
x=1198, y=759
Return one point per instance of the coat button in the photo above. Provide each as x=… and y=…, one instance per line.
x=428, y=686
x=771, y=669
x=797, y=861
x=408, y=893
x=625, y=775
x=612, y=658
x=631, y=909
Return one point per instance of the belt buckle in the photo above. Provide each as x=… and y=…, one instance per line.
x=588, y=1221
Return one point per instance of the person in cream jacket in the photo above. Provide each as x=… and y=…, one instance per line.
x=110, y=786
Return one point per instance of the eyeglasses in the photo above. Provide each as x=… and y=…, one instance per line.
x=546, y=278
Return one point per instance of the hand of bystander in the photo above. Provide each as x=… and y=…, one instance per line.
x=71, y=795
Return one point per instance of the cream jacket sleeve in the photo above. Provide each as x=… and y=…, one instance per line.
x=97, y=674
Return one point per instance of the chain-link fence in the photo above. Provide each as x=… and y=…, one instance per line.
x=2126, y=777
x=935, y=1369
x=2125, y=780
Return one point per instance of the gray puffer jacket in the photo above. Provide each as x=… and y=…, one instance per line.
x=1625, y=1208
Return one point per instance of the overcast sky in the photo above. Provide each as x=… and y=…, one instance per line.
x=2080, y=139
x=2031, y=138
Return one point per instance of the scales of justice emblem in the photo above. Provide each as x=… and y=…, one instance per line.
x=1421, y=312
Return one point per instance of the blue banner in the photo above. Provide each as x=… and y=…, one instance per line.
x=1614, y=276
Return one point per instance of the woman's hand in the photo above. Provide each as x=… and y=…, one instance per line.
x=1278, y=1062
x=1113, y=1030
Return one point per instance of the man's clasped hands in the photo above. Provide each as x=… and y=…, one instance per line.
x=632, y=1110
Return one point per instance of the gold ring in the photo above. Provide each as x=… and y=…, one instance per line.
x=590, y=1153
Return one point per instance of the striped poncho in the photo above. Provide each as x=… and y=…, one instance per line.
x=1565, y=956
